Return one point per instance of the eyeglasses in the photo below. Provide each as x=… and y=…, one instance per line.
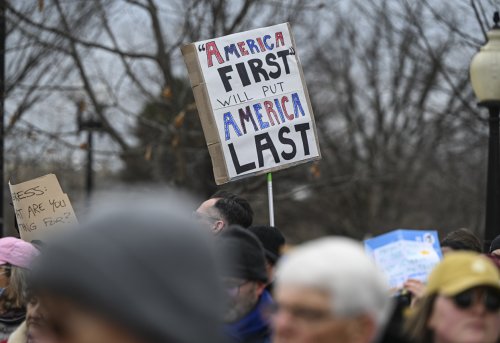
x=301, y=313
x=490, y=298
x=233, y=287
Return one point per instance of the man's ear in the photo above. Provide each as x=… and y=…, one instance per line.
x=362, y=329
x=261, y=286
x=218, y=226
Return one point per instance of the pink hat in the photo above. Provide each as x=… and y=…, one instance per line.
x=16, y=252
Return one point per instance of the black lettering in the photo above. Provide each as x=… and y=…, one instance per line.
x=302, y=128
x=38, y=191
x=27, y=228
x=27, y=193
x=287, y=141
x=57, y=204
x=223, y=71
x=283, y=54
x=19, y=195
x=35, y=209
x=264, y=146
x=19, y=214
x=49, y=221
x=256, y=68
x=271, y=61
x=239, y=169
x=242, y=72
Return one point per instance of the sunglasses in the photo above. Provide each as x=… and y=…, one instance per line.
x=490, y=298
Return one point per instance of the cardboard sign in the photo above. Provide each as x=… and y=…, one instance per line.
x=253, y=102
x=41, y=207
x=405, y=254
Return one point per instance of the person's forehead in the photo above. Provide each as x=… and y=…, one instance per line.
x=207, y=206
x=302, y=296
x=446, y=250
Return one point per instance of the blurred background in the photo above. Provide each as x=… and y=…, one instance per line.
x=403, y=143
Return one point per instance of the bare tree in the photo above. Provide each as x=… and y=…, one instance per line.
x=400, y=136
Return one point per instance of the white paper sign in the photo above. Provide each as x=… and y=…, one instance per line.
x=405, y=254
x=259, y=100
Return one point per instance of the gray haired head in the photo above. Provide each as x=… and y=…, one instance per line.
x=340, y=267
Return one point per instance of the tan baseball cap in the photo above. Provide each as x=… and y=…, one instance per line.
x=460, y=271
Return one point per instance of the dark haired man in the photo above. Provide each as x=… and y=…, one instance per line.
x=224, y=209
x=461, y=239
x=243, y=270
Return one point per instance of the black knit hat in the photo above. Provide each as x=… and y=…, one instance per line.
x=151, y=273
x=495, y=244
x=241, y=254
x=272, y=240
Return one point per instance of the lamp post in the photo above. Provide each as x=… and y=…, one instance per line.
x=90, y=125
x=485, y=79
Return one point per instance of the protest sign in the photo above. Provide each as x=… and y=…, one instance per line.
x=405, y=254
x=40, y=207
x=253, y=102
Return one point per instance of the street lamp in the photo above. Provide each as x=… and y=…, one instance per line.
x=90, y=125
x=485, y=79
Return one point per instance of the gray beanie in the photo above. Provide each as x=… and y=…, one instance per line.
x=241, y=254
x=150, y=273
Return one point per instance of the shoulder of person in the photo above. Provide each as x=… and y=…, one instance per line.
x=19, y=335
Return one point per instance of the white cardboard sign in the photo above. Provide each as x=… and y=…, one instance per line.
x=40, y=207
x=253, y=102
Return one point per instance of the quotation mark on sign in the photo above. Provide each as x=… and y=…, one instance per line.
x=201, y=47
x=292, y=51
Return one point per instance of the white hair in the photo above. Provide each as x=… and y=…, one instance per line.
x=340, y=267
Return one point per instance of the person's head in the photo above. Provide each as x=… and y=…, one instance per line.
x=37, y=328
x=243, y=271
x=495, y=246
x=16, y=257
x=142, y=276
x=224, y=209
x=461, y=302
x=328, y=291
x=273, y=242
x=461, y=239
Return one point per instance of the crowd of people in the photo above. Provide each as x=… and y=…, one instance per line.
x=156, y=275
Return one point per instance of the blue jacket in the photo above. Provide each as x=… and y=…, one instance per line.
x=255, y=327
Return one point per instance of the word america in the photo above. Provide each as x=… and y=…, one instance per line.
x=276, y=112
x=243, y=48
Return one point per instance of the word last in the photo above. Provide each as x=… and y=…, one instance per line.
x=290, y=144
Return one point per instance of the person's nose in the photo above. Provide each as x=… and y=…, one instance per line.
x=479, y=307
x=283, y=324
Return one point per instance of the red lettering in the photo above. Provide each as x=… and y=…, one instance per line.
x=212, y=49
x=283, y=100
x=261, y=44
x=241, y=46
x=279, y=37
x=268, y=105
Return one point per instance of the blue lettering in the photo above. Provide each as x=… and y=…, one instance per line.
x=263, y=124
x=229, y=120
